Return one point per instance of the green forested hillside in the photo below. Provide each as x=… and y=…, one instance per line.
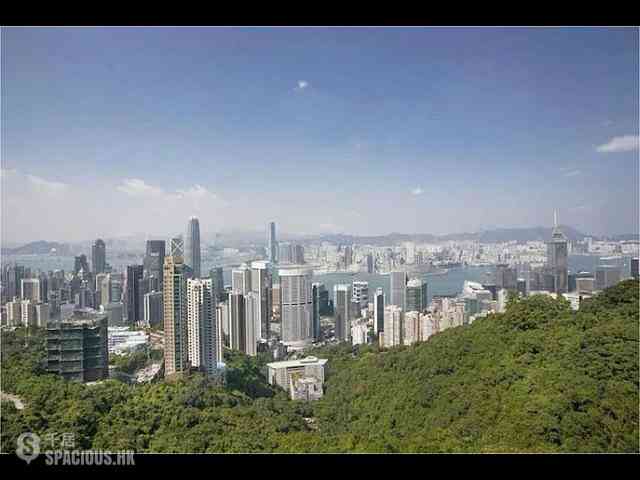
x=539, y=378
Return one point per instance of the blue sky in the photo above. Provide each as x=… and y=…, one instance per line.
x=131, y=130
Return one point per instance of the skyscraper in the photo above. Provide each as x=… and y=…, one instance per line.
x=398, y=289
x=218, y=282
x=201, y=326
x=192, y=246
x=316, y=289
x=98, y=256
x=298, y=254
x=153, y=309
x=174, y=294
x=378, y=311
x=361, y=294
x=342, y=312
x=103, y=288
x=261, y=286
x=176, y=246
x=272, y=244
x=80, y=263
x=236, y=321
x=154, y=259
x=557, y=258
x=241, y=279
x=416, y=296
x=285, y=253
x=634, y=268
x=134, y=274
x=296, y=310
x=370, y=263
x=252, y=321
x=30, y=289
x=393, y=326
x=348, y=256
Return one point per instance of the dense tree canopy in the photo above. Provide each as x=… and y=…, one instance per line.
x=538, y=378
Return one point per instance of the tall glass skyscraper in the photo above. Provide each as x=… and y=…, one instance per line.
x=557, y=258
x=99, y=256
x=192, y=246
x=272, y=244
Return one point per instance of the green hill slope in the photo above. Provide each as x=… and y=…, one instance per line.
x=538, y=378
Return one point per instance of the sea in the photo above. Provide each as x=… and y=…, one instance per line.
x=449, y=283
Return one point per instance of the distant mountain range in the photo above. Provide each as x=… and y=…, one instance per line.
x=240, y=239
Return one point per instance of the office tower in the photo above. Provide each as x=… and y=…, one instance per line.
x=192, y=246
x=296, y=309
x=28, y=311
x=323, y=299
x=175, y=315
x=134, y=275
x=115, y=313
x=12, y=276
x=154, y=259
x=261, y=286
x=272, y=244
x=153, y=309
x=416, y=295
x=201, y=326
x=241, y=279
x=522, y=287
x=634, y=268
x=98, y=256
x=77, y=348
x=348, y=256
x=506, y=277
x=236, y=319
x=393, y=319
x=411, y=328
x=14, y=312
x=370, y=263
x=557, y=258
x=298, y=254
x=218, y=283
x=42, y=314
x=146, y=285
x=117, y=282
x=285, y=253
x=585, y=285
x=44, y=287
x=398, y=281
x=316, y=289
x=410, y=248
x=222, y=327
x=80, y=263
x=176, y=246
x=84, y=298
x=30, y=289
x=419, y=258
x=103, y=288
x=252, y=322
x=342, y=295
x=607, y=276
x=361, y=294
x=378, y=311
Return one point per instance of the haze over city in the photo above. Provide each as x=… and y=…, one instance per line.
x=108, y=132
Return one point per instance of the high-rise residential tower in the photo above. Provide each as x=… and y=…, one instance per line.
x=241, y=279
x=296, y=309
x=342, y=296
x=272, y=244
x=557, y=258
x=361, y=293
x=176, y=355
x=99, y=256
x=316, y=290
x=202, y=333
x=252, y=320
x=192, y=246
x=398, y=289
x=393, y=326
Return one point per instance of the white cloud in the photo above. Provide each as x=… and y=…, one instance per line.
x=46, y=185
x=572, y=173
x=302, y=84
x=624, y=143
x=417, y=191
x=138, y=188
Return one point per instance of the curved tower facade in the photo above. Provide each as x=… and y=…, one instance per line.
x=192, y=246
x=296, y=310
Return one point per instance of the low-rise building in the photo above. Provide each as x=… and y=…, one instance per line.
x=285, y=373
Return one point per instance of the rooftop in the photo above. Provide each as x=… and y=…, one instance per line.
x=298, y=363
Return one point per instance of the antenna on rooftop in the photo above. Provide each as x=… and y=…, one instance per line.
x=555, y=219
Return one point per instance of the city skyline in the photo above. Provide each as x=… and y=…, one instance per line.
x=445, y=130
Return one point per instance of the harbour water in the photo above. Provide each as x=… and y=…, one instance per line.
x=449, y=283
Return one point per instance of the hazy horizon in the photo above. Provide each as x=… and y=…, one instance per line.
x=108, y=132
